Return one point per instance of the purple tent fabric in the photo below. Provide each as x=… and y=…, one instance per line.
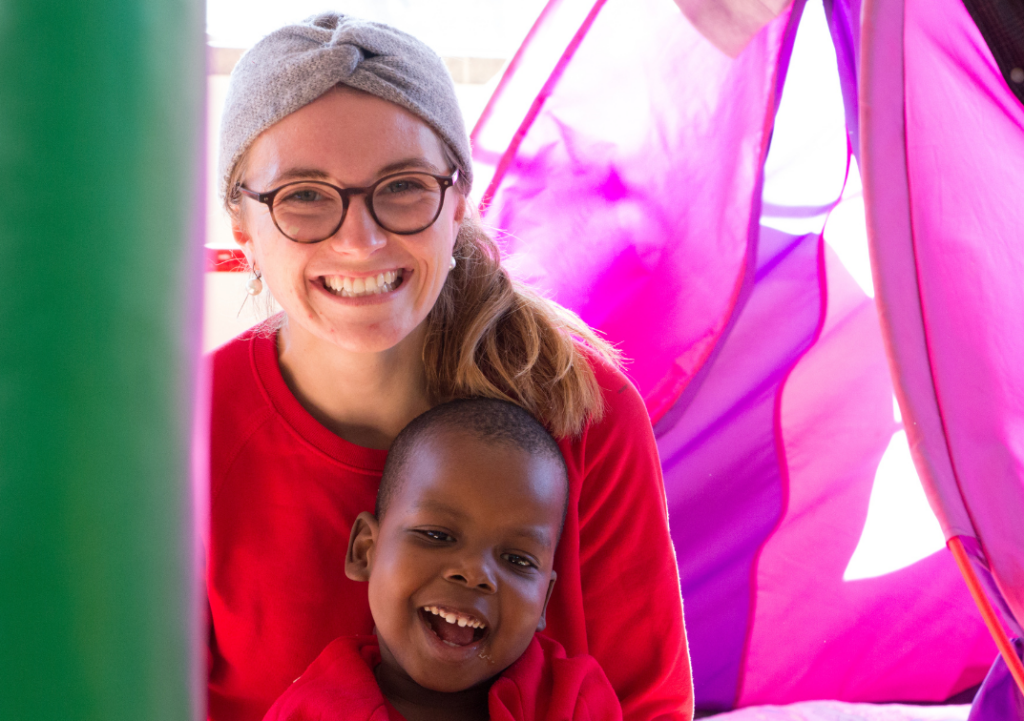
x=622, y=161
x=945, y=218
x=910, y=634
x=723, y=480
x=999, y=699
x=946, y=222
x=844, y=24
x=946, y=233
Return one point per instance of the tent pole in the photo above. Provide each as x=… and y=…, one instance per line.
x=101, y=109
x=1013, y=662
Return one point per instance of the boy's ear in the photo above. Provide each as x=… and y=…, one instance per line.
x=361, y=542
x=542, y=624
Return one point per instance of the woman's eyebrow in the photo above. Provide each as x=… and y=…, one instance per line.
x=396, y=167
x=409, y=164
x=299, y=174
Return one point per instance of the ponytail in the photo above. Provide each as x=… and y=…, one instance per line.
x=490, y=336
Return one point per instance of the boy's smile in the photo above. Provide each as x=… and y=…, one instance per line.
x=460, y=566
x=452, y=626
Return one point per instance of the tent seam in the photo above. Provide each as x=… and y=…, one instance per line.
x=538, y=104
x=510, y=70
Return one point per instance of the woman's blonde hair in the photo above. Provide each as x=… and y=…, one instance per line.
x=491, y=336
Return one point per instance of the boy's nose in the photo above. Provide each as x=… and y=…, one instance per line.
x=474, y=574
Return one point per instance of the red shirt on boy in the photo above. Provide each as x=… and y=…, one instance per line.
x=543, y=685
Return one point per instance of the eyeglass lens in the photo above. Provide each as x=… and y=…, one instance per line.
x=310, y=212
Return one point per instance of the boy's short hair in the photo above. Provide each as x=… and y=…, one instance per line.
x=487, y=419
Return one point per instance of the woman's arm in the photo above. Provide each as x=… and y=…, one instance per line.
x=629, y=576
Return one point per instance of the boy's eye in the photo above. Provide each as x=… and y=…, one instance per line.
x=437, y=536
x=517, y=560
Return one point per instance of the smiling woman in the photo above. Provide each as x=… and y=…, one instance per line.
x=345, y=169
x=304, y=274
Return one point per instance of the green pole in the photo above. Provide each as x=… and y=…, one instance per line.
x=100, y=156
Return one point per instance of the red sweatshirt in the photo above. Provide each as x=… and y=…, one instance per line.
x=543, y=685
x=284, y=492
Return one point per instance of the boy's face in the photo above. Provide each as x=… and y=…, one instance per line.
x=469, y=537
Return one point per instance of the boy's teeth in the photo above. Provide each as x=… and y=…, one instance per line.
x=454, y=618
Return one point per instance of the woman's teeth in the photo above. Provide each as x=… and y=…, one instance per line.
x=348, y=287
x=454, y=617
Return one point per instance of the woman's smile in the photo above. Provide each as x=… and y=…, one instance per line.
x=360, y=286
x=365, y=289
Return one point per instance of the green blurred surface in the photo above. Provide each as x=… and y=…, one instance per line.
x=100, y=111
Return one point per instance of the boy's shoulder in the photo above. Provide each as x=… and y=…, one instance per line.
x=545, y=684
x=338, y=684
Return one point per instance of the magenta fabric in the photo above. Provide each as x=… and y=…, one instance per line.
x=722, y=477
x=945, y=232
x=547, y=46
x=908, y=635
x=621, y=158
x=844, y=25
x=966, y=173
x=942, y=139
x=638, y=208
x=887, y=204
x=630, y=196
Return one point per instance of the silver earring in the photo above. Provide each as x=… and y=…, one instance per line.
x=254, y=286
x=453, y=263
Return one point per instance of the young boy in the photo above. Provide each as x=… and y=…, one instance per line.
x=458, y=557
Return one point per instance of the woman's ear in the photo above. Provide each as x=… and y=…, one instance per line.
x=361, y=542
x=543, y=622
x=460, y=211
x=244, y=241
x=239, y=233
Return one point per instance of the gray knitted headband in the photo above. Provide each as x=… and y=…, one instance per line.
x=295, y=65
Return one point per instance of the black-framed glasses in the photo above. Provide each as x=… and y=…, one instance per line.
x=309, y=211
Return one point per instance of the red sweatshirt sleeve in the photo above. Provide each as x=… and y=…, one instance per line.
x=630, y=580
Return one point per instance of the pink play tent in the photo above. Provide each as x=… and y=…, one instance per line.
x=630, y=157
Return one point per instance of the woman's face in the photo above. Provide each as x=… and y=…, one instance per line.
x=349, y=139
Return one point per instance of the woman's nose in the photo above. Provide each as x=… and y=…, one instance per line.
x=359, y=233
x=475, y=573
